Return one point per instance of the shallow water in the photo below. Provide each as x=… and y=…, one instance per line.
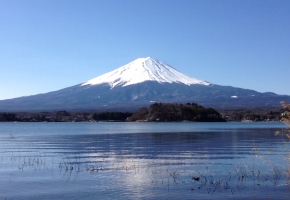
x=144, y=161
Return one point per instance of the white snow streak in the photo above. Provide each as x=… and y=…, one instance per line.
x=143, y=69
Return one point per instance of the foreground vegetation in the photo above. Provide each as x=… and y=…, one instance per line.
x=286, y=114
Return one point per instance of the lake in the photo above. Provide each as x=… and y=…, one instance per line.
x=144, y=161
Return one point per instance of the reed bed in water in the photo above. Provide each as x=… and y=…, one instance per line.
x=232, y=179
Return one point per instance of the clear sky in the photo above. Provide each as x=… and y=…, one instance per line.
x=46, y=45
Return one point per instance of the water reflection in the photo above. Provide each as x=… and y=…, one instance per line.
x=236, y=163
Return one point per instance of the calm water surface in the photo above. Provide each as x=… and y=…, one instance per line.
x=144, y=161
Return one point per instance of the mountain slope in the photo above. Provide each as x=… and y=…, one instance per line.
x=141, y=83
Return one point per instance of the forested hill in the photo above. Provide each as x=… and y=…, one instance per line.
x=166, y=112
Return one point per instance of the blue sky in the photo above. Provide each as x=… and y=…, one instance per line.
x=52, y=44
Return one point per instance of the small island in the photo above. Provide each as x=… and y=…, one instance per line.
x=168, y=112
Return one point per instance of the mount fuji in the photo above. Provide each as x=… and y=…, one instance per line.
x=138, y=84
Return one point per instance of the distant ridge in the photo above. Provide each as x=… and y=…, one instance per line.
x=140, y=83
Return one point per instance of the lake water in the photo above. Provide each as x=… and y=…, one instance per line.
x=144, y=161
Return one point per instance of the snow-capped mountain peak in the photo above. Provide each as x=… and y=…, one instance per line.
x=141, y=70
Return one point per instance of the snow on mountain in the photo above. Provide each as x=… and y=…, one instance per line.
x=143, y=69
